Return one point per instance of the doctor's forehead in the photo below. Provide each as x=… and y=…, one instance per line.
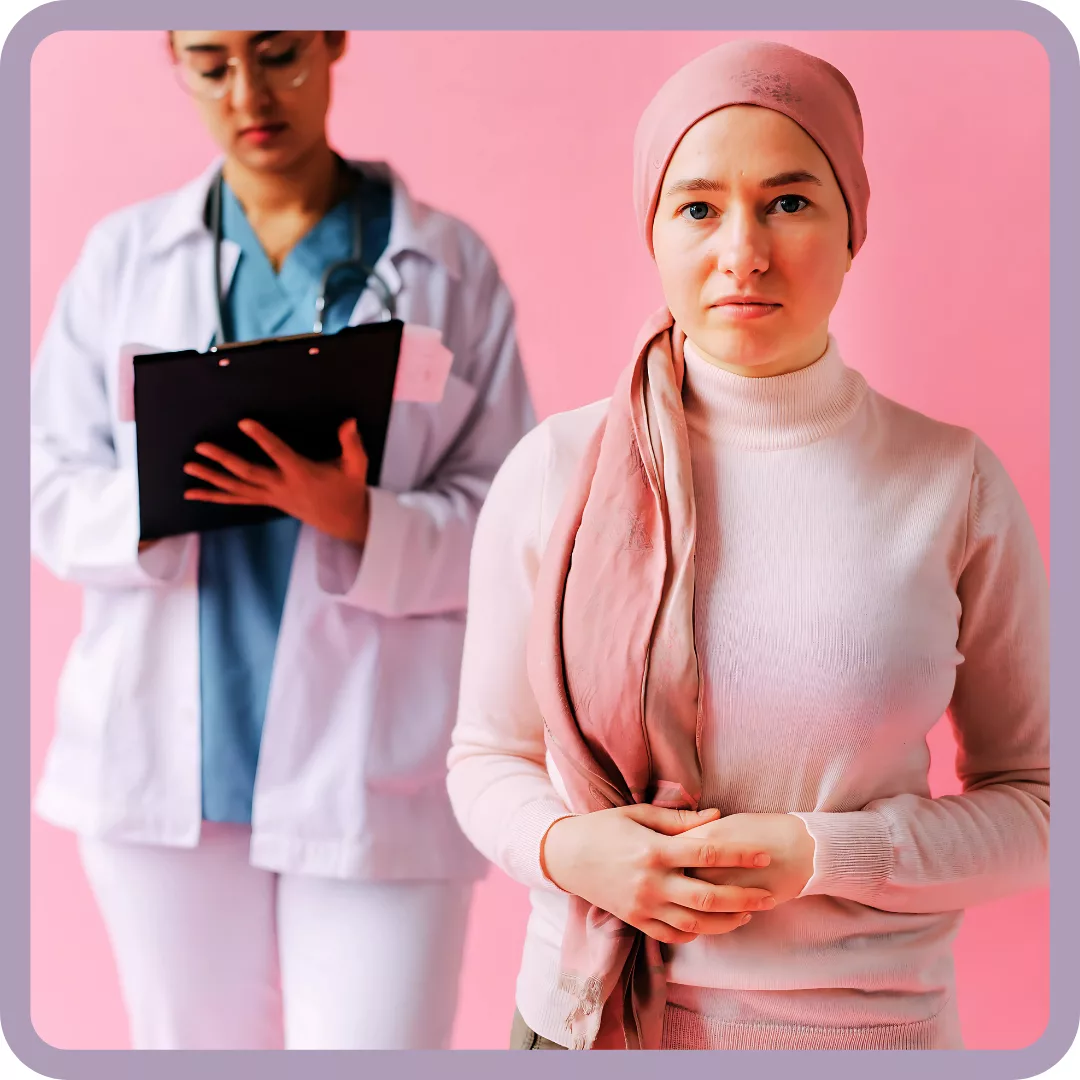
x=219, y=40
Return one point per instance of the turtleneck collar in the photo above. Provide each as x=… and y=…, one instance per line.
x=772, y=413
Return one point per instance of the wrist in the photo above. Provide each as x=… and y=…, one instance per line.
x=805, y=847
x=853, y=853
x=356, y=527
x=546, y=848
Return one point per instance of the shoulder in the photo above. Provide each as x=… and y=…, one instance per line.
x=554, y=447
x=994, y=502
x=909, y=429
x=931, y=453
x=531, y=482
x=440, y=235
x=128, y=232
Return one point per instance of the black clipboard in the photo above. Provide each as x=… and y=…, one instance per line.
x=302, y=388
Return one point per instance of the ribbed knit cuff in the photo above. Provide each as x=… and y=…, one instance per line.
x=526, y=830
x=853, y=854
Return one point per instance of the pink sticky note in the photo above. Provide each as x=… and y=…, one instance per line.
x=125, y=381
x=423, y=365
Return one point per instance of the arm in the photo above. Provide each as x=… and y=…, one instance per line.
x=415, y=557
x=499, y=785
x=914, y=854
x=84, y=510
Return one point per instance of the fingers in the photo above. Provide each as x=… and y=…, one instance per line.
x=227, y=490
x=349, y=437
x=678, y=852
x=223, y=498
x=744, y=879
x=279, y=452
x=696, y=923
x=661, y=819
x=661, y=931
x=354, y=457
x=222, y=481
x=244, y=470
x=701, y=896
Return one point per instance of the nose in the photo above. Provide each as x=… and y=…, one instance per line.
x=742, y=243
x=248, y=91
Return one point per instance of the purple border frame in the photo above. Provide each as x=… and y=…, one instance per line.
x=782, y=15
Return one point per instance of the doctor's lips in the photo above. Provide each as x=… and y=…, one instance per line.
x=262, y=133
x=745, y=307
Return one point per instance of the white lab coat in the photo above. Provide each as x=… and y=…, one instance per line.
x=351, y=774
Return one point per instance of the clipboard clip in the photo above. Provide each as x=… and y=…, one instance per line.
x=423, y=367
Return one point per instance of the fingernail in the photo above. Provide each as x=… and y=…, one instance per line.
x=762, y=860
x=745, y=919
x=767, y=904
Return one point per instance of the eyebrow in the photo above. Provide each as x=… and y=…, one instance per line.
x=784, y=179
x=255, y=39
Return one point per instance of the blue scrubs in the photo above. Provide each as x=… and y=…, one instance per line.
x=244, y=572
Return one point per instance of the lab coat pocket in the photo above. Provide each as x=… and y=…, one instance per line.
x=420, y=435
x=415, y=709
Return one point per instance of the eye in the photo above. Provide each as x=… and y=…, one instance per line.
x=790, y=204
x=697, y=211
x=282, y=59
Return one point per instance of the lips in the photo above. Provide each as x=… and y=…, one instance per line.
x=745, y=307
x=262, y=132
x=743, y=300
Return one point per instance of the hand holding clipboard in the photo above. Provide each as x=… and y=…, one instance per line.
x=319, y=408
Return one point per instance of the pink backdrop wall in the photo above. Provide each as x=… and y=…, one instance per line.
x=528, y=137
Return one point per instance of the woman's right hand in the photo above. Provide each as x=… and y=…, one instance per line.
x=629, y=861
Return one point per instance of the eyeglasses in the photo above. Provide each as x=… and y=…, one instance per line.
x=282, y=62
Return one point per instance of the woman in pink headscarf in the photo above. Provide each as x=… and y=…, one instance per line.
x=713, y=618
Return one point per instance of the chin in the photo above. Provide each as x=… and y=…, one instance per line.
x=740, y=346
x=270, y=160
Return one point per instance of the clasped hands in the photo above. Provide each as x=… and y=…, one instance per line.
x=676, y=874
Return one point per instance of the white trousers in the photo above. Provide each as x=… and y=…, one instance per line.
x=213, y=953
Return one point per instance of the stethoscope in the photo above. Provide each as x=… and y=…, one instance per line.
x=356, y=259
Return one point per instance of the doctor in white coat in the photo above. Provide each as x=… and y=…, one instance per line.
x=252, y=725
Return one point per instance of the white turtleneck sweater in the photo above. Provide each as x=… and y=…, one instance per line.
x=860, y=570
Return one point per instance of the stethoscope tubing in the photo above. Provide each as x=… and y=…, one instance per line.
x=355, y=260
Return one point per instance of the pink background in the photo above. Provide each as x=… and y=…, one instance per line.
x=528, y=137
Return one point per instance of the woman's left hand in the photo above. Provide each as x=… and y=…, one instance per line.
x=783, y=836
x=331, y=496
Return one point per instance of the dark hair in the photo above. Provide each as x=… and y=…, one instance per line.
x=169, y=37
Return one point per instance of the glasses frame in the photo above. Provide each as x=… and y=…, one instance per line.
x=265, y=77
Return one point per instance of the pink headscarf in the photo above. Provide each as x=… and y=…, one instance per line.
x=807, y=90
x=612, y=661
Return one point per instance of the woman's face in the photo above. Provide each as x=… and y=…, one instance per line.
x=262, y=120
x=749, y=208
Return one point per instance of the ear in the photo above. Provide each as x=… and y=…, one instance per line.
x=337, y=43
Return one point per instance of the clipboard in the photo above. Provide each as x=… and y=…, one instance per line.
x=302, y=388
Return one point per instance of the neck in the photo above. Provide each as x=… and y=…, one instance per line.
x=308, y=187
